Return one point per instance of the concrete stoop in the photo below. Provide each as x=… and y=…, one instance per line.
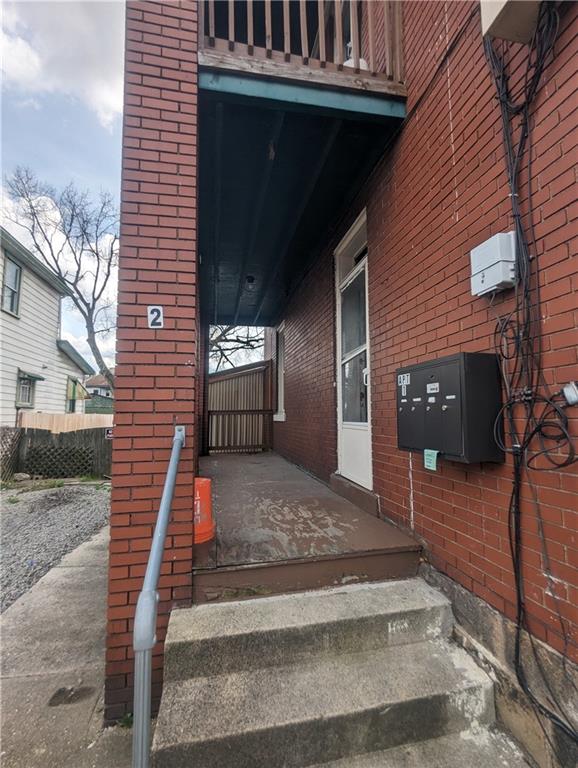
x=353, y=677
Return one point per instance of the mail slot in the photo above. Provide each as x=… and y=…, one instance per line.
x=450, y=405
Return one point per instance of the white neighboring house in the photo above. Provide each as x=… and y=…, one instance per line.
x=98, y=385
x=39, y=371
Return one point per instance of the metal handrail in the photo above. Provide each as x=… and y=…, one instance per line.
x=145, y=619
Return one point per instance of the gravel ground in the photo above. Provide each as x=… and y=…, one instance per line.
x=39, y=527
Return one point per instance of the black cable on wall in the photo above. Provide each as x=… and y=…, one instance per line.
x=536, y=425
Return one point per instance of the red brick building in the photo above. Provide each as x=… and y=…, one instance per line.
x=439, y=191
x=249, y=197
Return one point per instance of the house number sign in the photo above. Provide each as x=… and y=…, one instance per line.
x=155, y=317
x=403, y=381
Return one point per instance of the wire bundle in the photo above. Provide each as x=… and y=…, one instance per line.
x=537, y=425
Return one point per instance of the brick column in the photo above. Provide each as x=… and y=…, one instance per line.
x=156, y=369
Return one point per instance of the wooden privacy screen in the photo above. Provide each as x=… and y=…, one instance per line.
x=240, y=409
x=347, y=36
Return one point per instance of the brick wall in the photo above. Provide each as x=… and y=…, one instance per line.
x=394, y=17
x=438, y=192
x=441, y=191
x=156, y=370
x=308, y=436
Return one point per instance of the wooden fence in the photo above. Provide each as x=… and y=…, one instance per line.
x=84, y=452
x=64, y=422
x=9, y=445
x=240, y=409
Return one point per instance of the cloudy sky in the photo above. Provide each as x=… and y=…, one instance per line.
x=62, y=99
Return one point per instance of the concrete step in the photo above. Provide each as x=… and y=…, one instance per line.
x=329, y=707
x=230, y=637
x=479, y=748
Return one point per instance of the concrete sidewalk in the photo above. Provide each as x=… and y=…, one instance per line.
x=53, y=669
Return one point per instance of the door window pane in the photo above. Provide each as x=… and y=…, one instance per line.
x=354, y=394
x=353, y=315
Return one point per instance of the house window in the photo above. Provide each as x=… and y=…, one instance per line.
x=71, y=395
x=280, y=415
x=25, y=392
x=11, y=287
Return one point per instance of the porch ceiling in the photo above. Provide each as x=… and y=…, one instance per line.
x=279, y=165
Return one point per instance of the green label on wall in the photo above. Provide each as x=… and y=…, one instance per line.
x=430, y=459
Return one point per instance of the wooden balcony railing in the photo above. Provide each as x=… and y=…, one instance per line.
x=353, y=43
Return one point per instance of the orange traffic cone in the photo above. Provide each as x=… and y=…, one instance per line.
x=204, y=527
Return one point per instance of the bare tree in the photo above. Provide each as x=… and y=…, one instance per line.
x=231, y=345
x=77, y=239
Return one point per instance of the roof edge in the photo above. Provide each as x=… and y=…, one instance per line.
x=26, y=258
x=67, y=349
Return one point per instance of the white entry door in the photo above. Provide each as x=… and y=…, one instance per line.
x=353, y=402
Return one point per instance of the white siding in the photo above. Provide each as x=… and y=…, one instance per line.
x=103, y=391
x=28, y=342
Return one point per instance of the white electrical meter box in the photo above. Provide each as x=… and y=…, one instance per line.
x=494, y=264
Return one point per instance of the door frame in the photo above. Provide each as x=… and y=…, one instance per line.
x=351, y=242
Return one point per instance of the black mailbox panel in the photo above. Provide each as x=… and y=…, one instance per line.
x=450, y=405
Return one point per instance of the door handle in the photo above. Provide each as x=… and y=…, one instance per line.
x=366, y=377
